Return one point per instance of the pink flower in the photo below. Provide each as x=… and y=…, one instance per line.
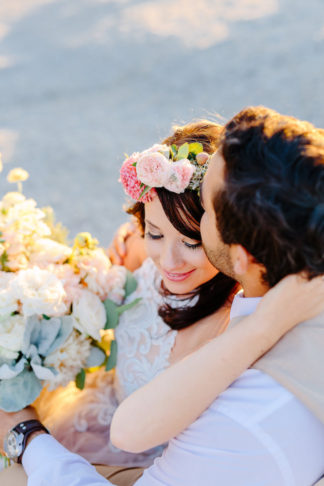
x=153, y=169
x=157, y=147
x=181, y=173
x=70, y=280
x=131, y=183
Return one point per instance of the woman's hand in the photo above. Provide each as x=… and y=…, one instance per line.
x=127, y=247
x=175, y=398
x=293, y=300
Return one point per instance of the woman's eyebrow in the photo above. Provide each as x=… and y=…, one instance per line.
x=151, y=224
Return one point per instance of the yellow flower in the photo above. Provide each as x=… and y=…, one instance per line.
x=17, y=175
x=85, y=240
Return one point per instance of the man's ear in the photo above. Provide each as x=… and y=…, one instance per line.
x=241, y=259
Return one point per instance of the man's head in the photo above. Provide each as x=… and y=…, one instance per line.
x=264, y=198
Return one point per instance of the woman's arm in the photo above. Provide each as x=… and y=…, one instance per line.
x=174, y=399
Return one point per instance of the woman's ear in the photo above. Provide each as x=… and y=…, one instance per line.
x=241, y=259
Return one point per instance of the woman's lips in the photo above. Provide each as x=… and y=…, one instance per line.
x=177, y=277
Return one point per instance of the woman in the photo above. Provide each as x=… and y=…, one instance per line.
x=184, y=300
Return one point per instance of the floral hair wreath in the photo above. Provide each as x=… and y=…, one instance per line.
x=175, y=169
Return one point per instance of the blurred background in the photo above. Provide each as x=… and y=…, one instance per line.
x=82, y=82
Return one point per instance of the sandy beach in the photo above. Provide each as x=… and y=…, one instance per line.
x=83, y=82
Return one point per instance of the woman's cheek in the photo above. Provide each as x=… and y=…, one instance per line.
x=152, y=248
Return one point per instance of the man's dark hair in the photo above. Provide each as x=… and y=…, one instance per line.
x=273, y=199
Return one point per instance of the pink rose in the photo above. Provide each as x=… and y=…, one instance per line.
x=153, y=169
x=132, y=185
x=157, y=147
x=180, y=176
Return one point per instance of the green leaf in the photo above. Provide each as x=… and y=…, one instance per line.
x=46, y=317
x=80, y=379
x=195, y=148
x=95, y=358
x=131, y=283
x=111, y=314
x=112, y=360
x=19, y=392
x=3, y=259
x=145, y=191
x=174, y=150
x=125, y=307
x=183, y=151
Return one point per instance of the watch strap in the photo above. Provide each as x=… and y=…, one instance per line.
x=26, y=428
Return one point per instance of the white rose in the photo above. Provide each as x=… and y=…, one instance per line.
x=89, y=313
x=12, y=333
x=8, y=303
x=39, y=291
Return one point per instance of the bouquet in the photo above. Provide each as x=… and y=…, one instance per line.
x=58, y=303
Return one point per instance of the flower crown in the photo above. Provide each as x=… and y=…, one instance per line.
x=175, y=169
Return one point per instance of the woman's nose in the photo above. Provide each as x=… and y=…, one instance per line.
x=170, y=258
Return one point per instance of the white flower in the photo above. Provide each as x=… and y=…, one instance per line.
x=46, y=251
x=39, y=292
x=10, y=199
x=12, y=332
x=27, y=218
x=7, y=355
x=17, y=175
x=5, y=279
x=8, y=301
x=90, y=314
x=116, y=281
x=95, y=269
x=68, y=360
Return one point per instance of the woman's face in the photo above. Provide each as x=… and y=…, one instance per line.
x=181, y=261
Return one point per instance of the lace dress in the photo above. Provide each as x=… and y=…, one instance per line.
x=81, y=420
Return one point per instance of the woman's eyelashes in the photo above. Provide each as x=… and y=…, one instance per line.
x=153, y=236
x=192, y=246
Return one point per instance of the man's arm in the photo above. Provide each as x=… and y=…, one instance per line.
x=46, y=461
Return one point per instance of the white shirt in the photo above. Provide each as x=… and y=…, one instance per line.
x=256, y=433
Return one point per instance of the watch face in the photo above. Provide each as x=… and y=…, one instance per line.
x=13, y=444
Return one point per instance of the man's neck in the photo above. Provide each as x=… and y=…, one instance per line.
x=254, y=288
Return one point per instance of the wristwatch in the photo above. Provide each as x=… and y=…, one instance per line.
x=16, y=439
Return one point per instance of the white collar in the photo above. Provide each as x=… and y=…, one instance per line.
x=243, y=306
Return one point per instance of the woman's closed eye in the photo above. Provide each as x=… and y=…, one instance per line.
x=192, y=246
x=153, y=236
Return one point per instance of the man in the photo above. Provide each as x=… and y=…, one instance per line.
x=263, y=197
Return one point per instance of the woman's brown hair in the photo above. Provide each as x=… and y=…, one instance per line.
x=184, y=211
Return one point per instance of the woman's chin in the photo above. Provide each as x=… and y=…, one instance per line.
x=178, y=288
